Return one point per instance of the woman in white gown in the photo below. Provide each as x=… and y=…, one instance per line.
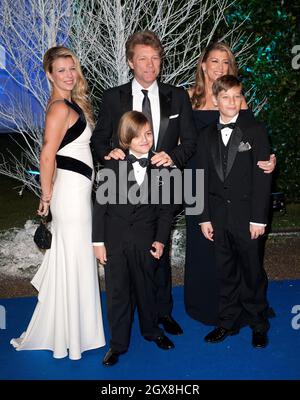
x=67, y=318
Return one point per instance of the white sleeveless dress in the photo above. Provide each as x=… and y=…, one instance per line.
x=67, y=318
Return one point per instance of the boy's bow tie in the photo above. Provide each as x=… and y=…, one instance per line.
x=231, y=125
x=142, y=161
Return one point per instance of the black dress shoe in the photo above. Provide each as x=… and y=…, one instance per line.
x=110, y=358
x=219, y=334
x=163, y=342
x=259, y=339
x=170, y=325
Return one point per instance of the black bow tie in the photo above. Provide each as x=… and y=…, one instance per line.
x=142, y=161
x=222, y=126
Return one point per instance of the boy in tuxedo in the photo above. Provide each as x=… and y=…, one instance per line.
x=129, y=237
x=236, y=204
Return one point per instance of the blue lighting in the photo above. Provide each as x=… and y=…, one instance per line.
x=33, y=172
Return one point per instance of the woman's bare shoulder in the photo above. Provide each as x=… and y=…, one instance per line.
x=57, y=109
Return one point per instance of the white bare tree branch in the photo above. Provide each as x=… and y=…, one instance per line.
x=97, y=31
x=100, y=30
x=27, y=29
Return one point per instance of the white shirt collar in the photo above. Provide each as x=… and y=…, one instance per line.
x=137, y=87
x=229, y=122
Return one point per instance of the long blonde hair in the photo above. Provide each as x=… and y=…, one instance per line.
x=198, y=96
x=79, y=93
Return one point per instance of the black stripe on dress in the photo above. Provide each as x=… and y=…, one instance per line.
x=71, y=164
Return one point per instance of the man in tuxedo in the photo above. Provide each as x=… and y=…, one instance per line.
x=169, y=113
x=236, y=204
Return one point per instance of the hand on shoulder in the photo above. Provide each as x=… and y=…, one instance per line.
x=116, y=154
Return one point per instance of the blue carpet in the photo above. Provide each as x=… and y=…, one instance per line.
x=191, y=359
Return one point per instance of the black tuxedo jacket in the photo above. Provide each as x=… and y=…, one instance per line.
x=243, y=192
x=173, y=101
x=116, y=224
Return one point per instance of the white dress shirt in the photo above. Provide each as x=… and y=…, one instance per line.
x=226, y=132
x=137, y=102
x=139, y=171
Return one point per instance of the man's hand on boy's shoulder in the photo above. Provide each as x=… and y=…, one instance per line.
x=162, y=159
x=116, y=154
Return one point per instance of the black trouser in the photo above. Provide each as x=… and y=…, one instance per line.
x=242, y=279
x=129, y=280
x=163, y=281
x=163, y=278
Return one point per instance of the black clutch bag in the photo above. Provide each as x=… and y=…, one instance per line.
x=42, y=236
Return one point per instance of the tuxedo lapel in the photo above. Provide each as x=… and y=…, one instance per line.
x=126, y=98
x=214, y=138
x=235, y=140
x=165, y=99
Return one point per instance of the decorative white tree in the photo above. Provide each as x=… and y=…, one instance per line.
x=27, y=29
x=97, y=31
x=100, y=30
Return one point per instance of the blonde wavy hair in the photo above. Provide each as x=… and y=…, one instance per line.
x=198, y=96
x=80, y=91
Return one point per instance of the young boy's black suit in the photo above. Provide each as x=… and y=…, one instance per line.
x=128, y=232
x=237, y=192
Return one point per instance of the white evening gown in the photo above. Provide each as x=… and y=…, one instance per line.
x=68, y=315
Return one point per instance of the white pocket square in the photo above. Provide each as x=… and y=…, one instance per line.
x=173, y=116
x=244, y=146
